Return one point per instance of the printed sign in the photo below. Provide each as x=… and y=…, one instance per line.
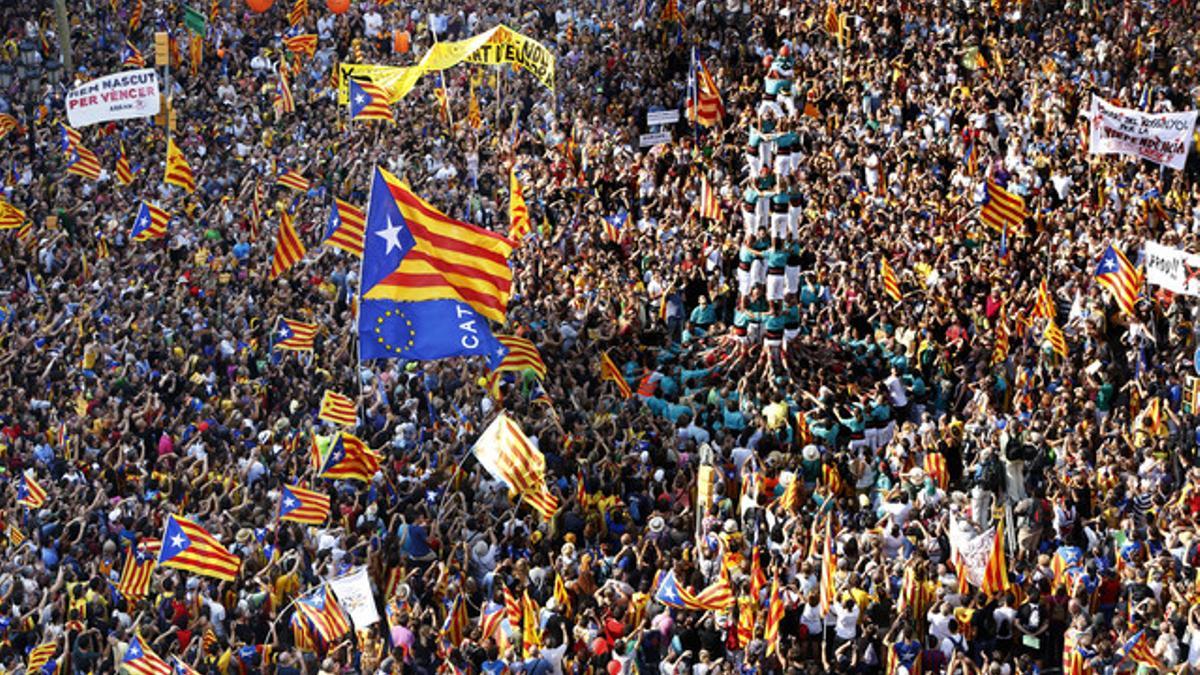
x=120, y=96
x=657, y=117
x=1173, y=269
x=657, y=138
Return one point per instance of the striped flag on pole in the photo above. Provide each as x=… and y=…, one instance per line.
x=136, y=573
x=298, y=505
x=609, y=371
x=327, y=617
x=506, y=453
x=891, y=284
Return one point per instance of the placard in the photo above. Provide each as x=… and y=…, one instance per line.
x=121, y=96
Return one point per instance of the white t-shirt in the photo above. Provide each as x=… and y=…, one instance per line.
x=847, y=622
x=372, y=23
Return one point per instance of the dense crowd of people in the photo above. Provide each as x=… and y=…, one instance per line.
x=140, y=379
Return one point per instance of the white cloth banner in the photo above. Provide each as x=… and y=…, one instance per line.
x=353, y=592
x=1175, y=270
x=1163, y=138
x=974, y=548
x=120, y=96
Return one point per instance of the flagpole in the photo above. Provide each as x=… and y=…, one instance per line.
x=442, y=80
x=695, y=87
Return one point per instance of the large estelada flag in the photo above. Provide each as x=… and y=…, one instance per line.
x=507, y=454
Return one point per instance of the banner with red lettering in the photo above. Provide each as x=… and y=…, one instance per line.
x=121, y=96
x=1163, y=138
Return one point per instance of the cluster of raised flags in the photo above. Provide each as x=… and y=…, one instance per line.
x=150, y=223
x=80, y=160
x=345, y=228
x=188, y=546
x=293, y=335
x=300, y=505
x=508, y=455
x=346, y=457
x=715, y=597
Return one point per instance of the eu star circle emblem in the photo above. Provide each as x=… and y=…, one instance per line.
x=394, y=331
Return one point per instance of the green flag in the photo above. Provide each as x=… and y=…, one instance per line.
x=195, y=20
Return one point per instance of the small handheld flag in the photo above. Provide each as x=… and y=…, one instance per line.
x=298, y=505
x=189, y=547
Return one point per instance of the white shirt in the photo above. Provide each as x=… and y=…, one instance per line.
x=372, y=23
x=847, y=622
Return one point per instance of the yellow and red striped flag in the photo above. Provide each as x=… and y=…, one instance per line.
x=135, y=16
x=83, y=162
x=284, y=101
x=935, y=466
x=1044, y=307
x=302, y=44
x=293, y=335
x=710, y=204
x=325, y=614
x=705, y=106
x=518, y=213
x=10, y=216
x=1054, y=335
x=136, y=574
x=1003, y=211
x=1120, y=277
x=774, y=618
x=294, y=180
x=289, y=250
x=15, y=536
x=609, y=371
x=29, y=493
x=891, y=284
x=188, y=546
x=178, y=172
x=348, y=458
x=995, y=574
x=828, y=569
x=346, y=228
x=443, y=259
x=40, y=656
x=561, y=596
x=8, y=123
x=298, y=12
x=299, y=505
x=338, y=409
x=531, y=636
x=506, y=453
x=1000, y=348
x=124, y=172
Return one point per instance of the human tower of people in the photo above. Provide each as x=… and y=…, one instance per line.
x=860, y=368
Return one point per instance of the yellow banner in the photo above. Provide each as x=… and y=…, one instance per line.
x=508, y=46
x=388, y=77
x=494, y=46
